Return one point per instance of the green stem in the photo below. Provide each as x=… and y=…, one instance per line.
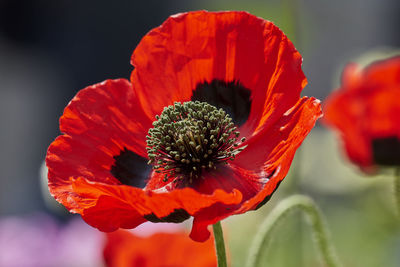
x=397, y=189
x=318, y=226
x=219, y=245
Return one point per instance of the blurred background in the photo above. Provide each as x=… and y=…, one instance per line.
x=50, y=49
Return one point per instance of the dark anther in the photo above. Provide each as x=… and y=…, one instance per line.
x=130, y=169
x=230, y=96
x=386, y=151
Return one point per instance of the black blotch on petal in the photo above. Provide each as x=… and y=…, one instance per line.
x=178, y=216
x=130, y=169
x=232, y=97
x=386, y=151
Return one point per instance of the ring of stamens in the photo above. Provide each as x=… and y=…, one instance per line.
x=189, y=138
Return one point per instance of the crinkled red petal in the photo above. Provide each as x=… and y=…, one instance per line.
x=266, y=147
x=227, y=178
x=190, y=48
x=109, y=207
x=99, y=122
x=271, y=151
x=67, y=157
x=109, y=116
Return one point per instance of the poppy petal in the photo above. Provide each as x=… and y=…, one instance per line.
x=248, y=183
x=269, y=144
x=227, y=178
x=206, y=217
x=271, y=151
x=99, y=123
x=109, y=116
x=130, y=206
x=192, y=48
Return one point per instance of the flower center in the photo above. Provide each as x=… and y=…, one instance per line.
x=189, y=138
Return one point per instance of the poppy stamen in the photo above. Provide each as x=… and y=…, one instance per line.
x=190, y=137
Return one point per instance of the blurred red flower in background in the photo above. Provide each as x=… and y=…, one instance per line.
x=124, y=249
x=366, y=112
x=231, y=60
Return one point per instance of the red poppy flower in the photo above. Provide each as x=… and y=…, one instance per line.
x=197, y=166
x=124, y=249
x=366, y=113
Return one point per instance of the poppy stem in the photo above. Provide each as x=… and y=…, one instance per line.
x=279, y=214
x=219, y=245
x=397, y=189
